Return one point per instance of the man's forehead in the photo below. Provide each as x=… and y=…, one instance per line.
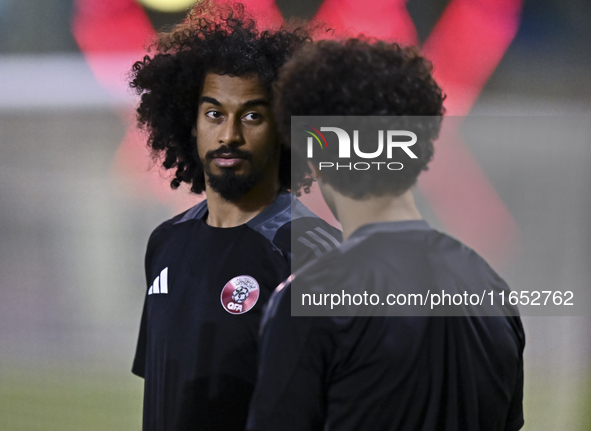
x=233, y=89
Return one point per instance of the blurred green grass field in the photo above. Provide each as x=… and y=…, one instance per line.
x=69, y=400
x=84, y=399
x=555, y=403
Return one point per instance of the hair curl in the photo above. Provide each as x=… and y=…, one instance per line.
x=218, y=39
x=361, y=77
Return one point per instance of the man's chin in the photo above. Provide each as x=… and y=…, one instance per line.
x=232, y=186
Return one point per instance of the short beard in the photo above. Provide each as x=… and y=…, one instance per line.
x=228, y=184
x=232, y=187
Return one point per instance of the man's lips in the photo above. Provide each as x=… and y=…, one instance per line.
x=227, y=161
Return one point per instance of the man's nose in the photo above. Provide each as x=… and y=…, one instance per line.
x=231, y=132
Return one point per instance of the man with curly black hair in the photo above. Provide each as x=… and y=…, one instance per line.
x=346, y=362
x=205, y=103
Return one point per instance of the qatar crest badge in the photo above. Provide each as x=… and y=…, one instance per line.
x=240, y=294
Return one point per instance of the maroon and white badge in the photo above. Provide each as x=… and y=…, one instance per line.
x=240, y=294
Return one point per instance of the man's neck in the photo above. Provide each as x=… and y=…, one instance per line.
x=223, y=213
x=355, y=213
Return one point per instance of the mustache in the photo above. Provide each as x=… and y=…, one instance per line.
x=228, y=152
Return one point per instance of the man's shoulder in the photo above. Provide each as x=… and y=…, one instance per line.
x=287, y=219
x=309, y=235
x=417, y=256
x=423, y=244
x=164, y=228
x=462, y=258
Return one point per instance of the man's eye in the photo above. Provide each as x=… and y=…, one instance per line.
x=252, y=116
x=213, y=114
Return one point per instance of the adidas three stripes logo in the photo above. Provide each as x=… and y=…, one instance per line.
x=160, y=284
x=320, y=241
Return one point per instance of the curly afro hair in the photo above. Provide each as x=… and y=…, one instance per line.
x=362, y=77
x=218, y=39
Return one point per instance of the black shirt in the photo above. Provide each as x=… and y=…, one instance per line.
x=390, y=373
x=206, y=290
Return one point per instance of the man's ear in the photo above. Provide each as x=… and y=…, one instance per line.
x=315, y=171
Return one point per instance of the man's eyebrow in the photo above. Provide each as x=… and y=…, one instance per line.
x=207, y=99
x=255, y=102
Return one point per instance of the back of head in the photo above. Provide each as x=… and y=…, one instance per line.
x=362, y=78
